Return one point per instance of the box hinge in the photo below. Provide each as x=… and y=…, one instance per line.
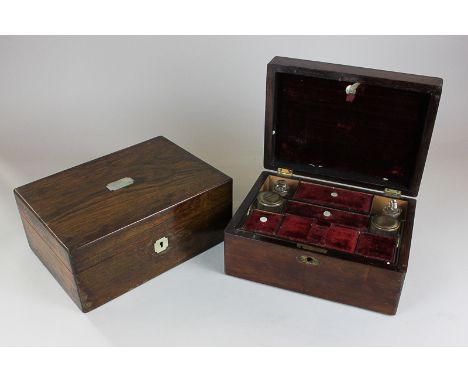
x=285, y=171
x=390, y=192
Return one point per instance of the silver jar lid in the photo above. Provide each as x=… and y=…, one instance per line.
x=392, y=209
x=385, y=223
x=281, y=187
x=269, y=199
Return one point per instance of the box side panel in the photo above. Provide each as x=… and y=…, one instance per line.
x=407, y=236
x=51, y=240
x=49, y=251
x=130, y=258
x=326, y=277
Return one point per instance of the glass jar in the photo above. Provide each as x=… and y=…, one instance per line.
x=388, y=221
x=270, y=201
x=281, y=187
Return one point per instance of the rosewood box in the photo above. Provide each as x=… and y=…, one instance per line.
x=105, y=227
x=345, y=148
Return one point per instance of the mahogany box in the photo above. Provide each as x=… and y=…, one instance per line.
x=106, y=226
x=348, y=142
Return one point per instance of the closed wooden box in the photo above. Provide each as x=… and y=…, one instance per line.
x=347, y=141
x=107, y=226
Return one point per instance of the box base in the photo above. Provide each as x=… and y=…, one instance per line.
x=281, y=253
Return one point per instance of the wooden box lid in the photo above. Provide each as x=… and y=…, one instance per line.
x=365, y=127
x=78, y=208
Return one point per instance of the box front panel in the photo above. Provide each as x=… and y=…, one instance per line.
x=314, y=274
x=136, y=254
x=49, y=251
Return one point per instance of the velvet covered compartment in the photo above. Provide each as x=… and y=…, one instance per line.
x=330, y=215
x=318, y=233
x=377, y=247
x=262, y=222
x=311, y=231
x=320, y=225
x=335, y=197
x=341, y=238
x=295, y=228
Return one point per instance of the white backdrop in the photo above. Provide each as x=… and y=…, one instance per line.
x=66, y=100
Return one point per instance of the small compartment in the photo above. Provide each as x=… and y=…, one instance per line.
x=341, y=238
x=334, y=229
x=380, y=202
x=377, y=247
x=270, y=181
x=330, y=215
x=338, y=136
x=318, y=232
x=262, y=222
x=295, y=228
x=334, y=197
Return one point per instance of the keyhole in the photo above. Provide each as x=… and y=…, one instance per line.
x=161, y=245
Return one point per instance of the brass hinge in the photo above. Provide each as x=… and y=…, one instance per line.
x=392, y=193
x=285, y=171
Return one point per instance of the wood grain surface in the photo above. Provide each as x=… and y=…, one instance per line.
x=353, y=281
x=99, y=243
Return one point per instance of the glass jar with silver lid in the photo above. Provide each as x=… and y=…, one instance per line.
x=388, y=221
x=281, y=187
x=270, y=201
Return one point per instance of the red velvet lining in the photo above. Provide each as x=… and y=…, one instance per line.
x=370, y=136
x=318, y=232
x=295, y=228
x=254, y=223
x=333, y=236
x=341, y=238
x=346, y=199
x=339, y=217
x=316, y=229
x=377, y=247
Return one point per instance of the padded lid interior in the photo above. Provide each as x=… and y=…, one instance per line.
x=378, y=136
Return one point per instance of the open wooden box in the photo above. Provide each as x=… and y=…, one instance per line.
x=346, y=140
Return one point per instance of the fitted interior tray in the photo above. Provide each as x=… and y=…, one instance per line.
x=334, y=197
x=329, y=218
